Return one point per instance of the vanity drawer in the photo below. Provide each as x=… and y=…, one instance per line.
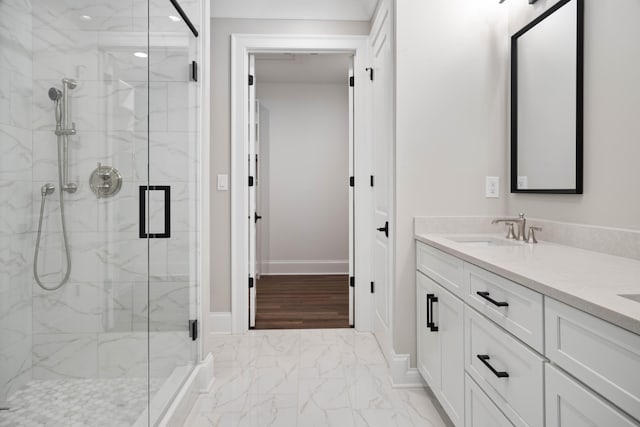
x=570, y=404
x=480, y=410
x=603, y=356
x=511, y=374
x=523, y=316
x=445, y=269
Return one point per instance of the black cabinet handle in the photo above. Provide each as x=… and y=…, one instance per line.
x=428, y=316
x=384, y=229
x=431, y=298
x=484, y=358
x=256, y=217
x=486, y=296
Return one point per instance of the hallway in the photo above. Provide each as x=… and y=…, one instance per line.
x=302, y=302
x=306, y=378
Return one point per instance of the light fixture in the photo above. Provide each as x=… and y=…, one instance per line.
x=86, y=18
x=530, y=1
x=140, y=54
x=174, y=18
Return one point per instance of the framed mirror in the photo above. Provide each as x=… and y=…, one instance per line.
x=546, y=102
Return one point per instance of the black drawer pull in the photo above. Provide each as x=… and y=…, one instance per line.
x=431, y=298
x=484, y=358
x=486, y=296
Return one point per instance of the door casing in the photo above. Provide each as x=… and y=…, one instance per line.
x=242, y=45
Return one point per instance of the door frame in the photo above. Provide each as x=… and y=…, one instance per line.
x=241, y=46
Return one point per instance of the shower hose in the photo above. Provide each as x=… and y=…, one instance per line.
x=45, y=191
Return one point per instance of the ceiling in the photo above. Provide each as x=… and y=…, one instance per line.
x=333, y=10
x=302, y=68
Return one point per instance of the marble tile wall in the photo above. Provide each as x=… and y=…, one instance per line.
x=95, y=326
x=16, y=159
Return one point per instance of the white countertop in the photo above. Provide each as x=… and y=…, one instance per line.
x=589, y=281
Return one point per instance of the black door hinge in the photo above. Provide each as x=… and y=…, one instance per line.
x=373, y=287
x=352, y=181
x=250, y=282
x=352, y=81
x=193, y=74
x=250, y=181
x=352, y=282
x=250, y=80
x=371, y=180
x=370, y=70
x=193, y=329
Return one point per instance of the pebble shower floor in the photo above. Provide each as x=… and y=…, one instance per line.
x=81, y=402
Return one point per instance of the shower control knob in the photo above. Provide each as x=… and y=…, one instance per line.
x=105, y=181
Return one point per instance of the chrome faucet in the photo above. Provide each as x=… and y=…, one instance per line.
x=522, y=223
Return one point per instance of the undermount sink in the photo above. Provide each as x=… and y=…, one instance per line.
x=481, y=241
x=632, y=297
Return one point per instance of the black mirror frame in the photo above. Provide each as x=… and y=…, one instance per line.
x=579, y=101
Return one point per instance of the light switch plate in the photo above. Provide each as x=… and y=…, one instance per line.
x=492, y=187
x=223, y=182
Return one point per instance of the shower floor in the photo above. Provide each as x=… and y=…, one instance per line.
x=89, y=402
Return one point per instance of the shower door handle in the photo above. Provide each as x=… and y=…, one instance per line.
x=144, y=190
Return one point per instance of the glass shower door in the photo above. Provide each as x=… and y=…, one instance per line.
x=172, y=198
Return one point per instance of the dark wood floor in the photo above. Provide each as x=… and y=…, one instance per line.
x=302, y=302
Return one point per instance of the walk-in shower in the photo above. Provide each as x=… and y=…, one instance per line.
x=98, y=209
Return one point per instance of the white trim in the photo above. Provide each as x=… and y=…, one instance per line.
x=200, y=381
x=241, y=46
x=305, y=267
x=219, y=323
x=204, y=290
x=402, y=374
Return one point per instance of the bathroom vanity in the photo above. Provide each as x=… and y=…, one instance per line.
x=518, y=334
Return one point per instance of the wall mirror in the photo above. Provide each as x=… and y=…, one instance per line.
x=546, y=102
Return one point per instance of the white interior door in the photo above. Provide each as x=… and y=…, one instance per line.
x=351, y=197
x=382, y=122
x=258, y=191
x=251, y=223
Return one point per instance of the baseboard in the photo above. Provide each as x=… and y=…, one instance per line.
x=402, y=374
x=286, y=267
x=218, y=323
x=200, y=381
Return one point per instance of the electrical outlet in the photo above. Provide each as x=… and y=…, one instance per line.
x=492, y=187
x=523, y=182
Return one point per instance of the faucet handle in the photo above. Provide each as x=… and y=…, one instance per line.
x=532, y=234
x=510, y=233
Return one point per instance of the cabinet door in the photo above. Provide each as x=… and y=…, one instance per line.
x=570, y=404
x=448, y=316
x=428, y=340
x=480, y=410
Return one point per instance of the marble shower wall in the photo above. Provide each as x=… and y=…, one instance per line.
x=96, y=325
x=16, y=159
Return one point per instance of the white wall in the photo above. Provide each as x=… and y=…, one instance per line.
x=611, y=119
x=304, y=169
x=451, y=79
x=221, y=30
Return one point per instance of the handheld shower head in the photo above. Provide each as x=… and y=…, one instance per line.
x=70, y=83
x=47, y=189
x=55, y=94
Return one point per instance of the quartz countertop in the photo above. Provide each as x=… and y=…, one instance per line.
x=587, y=280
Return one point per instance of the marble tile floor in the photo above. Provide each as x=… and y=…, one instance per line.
x=334, y=377
x=79, y=402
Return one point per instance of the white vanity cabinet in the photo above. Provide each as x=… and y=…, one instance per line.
x=503, y=354
x=440, y=345
x=571, y=404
